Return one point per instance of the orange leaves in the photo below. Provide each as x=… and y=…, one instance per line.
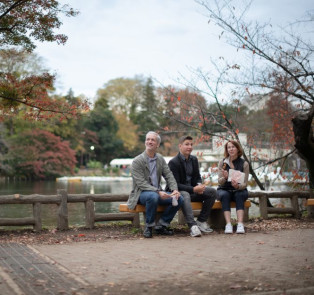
x=179, y=98
x=32, y=92
x=237, y=131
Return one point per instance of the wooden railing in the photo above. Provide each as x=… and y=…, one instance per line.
x=63, y=198
x=292, y=195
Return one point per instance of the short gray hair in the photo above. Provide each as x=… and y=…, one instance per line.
x=156, y=134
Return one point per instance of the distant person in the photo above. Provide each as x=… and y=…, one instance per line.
x=231, y=186
x=185, y=170
x=147, y=169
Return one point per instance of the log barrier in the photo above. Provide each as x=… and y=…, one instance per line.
x=63, y=198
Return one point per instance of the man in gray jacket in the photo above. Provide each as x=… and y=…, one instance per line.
x=147, y=169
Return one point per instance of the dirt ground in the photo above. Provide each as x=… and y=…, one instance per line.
x=275, y=256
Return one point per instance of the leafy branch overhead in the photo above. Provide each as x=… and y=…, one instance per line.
x=22, y=23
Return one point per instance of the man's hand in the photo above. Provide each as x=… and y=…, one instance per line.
x=176, y=194
x=164, y=195
x=199, y=189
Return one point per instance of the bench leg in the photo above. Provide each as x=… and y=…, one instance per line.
x=246, y=215
x=310, y=211
x=181, y=218
x=217, y=219
x=136, y=220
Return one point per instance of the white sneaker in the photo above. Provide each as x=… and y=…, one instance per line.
x=195, y=231
x=240, y=229
x=228, y=228
x=204, y=227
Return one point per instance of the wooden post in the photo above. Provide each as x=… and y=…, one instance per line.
x=295, y=206
x=263, y=206
x=246, y=214
x=217, y=219
x=63, y=221
x=181, y=218
x=89, y=214
x=136, y=220
x=310, y=211
x=37, y=216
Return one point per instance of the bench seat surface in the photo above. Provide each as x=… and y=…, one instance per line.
x=195, y=206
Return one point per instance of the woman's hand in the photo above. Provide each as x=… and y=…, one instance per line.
x=225, y=174
x=234, y=183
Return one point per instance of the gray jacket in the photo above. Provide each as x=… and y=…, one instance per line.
x=140, y=175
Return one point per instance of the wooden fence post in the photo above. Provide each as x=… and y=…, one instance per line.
x=89, y=214
x=295, y=206
x=263, y=206
x=63, y=221
x=37, y=216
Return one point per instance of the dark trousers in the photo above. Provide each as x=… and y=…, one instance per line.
x=239, y=197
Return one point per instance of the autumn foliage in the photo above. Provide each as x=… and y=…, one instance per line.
x=21, y=23
x=39, y=154
x=32, y=93
x=280, y=112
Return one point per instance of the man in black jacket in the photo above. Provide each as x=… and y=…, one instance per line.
x=185, y=170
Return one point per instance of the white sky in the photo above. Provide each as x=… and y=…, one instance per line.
x=159, y=38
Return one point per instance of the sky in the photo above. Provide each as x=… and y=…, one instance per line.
x=163, y=39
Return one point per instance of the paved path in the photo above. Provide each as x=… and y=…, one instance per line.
x=256, y=263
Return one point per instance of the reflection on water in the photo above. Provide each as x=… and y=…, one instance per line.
x=77, y=210
x=49, y=211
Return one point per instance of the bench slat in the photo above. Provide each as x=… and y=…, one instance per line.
x=195, y=206
x=310, y=202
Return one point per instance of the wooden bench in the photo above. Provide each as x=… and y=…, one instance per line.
x=216, y=219
x=310, y=207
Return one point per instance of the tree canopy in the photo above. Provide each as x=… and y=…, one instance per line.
x=23, y=21
x=23, y=86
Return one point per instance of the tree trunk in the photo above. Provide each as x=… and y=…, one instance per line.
x=304, y=141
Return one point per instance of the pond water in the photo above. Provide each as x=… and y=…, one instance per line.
x=76, y=210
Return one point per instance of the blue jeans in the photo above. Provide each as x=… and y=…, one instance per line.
x=239, y=197
x=151, y=200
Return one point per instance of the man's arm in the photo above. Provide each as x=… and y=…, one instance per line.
x=197, y=170
x=175, y=171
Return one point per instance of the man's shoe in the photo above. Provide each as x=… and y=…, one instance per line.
x=148, y=232
x=228, y=228
x=195, y=231
x=204, y=227
x=240, y=229
x=163, y=230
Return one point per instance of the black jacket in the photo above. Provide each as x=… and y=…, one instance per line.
x=177, y=166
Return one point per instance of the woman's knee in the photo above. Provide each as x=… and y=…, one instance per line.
x=240, y=198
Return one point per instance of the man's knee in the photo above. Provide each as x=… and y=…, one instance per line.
x=180, y=201
x=186, y=196
x=152, y=197
x=210, y=193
